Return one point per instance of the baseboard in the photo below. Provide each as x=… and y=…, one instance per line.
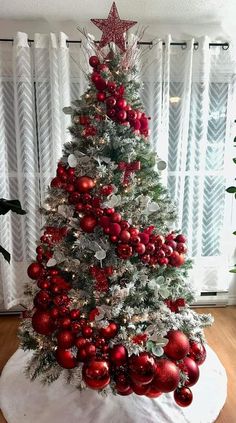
x=232, y=300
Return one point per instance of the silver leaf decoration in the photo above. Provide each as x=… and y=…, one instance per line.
x=72, y=160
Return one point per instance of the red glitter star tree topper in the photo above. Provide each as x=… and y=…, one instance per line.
x=113, y=28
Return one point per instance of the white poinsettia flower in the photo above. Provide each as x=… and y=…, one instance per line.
x=152, y=207
x=100, y=254
x=51, y=262
x=113, y=201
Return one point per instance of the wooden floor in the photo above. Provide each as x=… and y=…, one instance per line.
x=221, y=337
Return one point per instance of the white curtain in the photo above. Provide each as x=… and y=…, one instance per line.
x=189, y=94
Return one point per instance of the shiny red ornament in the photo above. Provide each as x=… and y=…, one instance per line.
x=87, y=331
x=109, y=331
x=65, y=339
x=110, y=102
x=111, y=113
x=152, y=391
x=176, y=259
x=43, y=323
x=35, y=270
x=197, y=352
x=84, y=184
x=190, y=367
x=111, y=87
x=183, y=396
x=80, y=341
x=144, y=238
x=113, y=28
x=124, y=251
x=124, y=235
x=74, y=314
x=121, y=115
x=94, y=61
x=167, y=376
x=101, y=96
x=115, y=229
x=118, y=355
x=96, y=373
x=142, y=368
x=181, y=248
x=88, y=223
x=121, y=103
x=42, y=300
x=65, y=358
x=75, y=327
x=116, y=217
x=123, y=384
x=178, y=345
x=140, y=248
x=101, y=84
x=107, y=190
x=54, y=313
x=139, y=389
x=181, y=238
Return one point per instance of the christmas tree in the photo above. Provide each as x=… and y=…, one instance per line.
x=111, y=299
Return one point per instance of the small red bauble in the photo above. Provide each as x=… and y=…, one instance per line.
x=116, y=217
x=35, y=270
x=178, y=345
x=181, y=248
x=84, y=120
x=84, y=184
x=110, y=102
x=118, y=355
x=100, y=84
x=111, y=113
x=121, y=103
x=96, y=374
x=95, y=77
x=167, y=250
x=123, y=384
x=134, y=231
x=180, y=238
x=88, y=223
x=75, y=327
x=42, y=322
x=107, y=190
x=124, y=251
x=191, y=368
x=74, y=314
x=87, y=331
x=94, y=61
x=171, y=243
x=64, y=322
x=145, y=258
x=124, y=224
x=176, y=259
x=134, y=240
x=139, y=389
x=42, y=299
x=65, y=339
x=152, y=391
x=111, y=87
x=144, y=238
x=167, y=376
x=124, y=236
x=93, y=313
x=65, y=358
x=121, y=115
x=109, y=331
x=74, y=197
x=115, y=229
x=101, y=96
x=140, y=248
x=54, y=313
x=142, y=368
x=113, y=238
x=80, y=342
x=197, y=352
x=183, y=396
x=39, y=249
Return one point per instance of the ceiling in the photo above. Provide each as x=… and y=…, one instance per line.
x=144, y=11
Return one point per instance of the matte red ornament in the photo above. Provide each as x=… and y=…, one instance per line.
x=118, y=355
x=94, y=61
x=190, y=367
x=167, y=376
x=178, y=345
x=88, y=223
x=35, y=270
x=142, y=368
x=96, y=373
x=144, y=238
x=183, y=396
x=107, y=190
x=124, y=251
x=113, y=28
x=65, y=339
x=115, y=229
x=42, y=323
x=109, y=331
x=84, y=184
x=54, y=313
x=65, y=358
x=42, y=299
x=197, y=352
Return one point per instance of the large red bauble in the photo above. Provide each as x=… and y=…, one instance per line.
x=183, y=396
x=142, y=368
x=139, y=389
x=152, y=391
x=96, y=373
x=197, y=352
x=124, y=236
x=191, y=368
x=109, y=331
x=42, y=300
x=35, y=270
x=56, y=183
x=178, y=345
x=140, y=248
x=124, y=251
x=118, y=355
x=101, y=84
x=144, y=238
x=65, y=339
x=94, y=61
x=88, y=223
x=167, y=376
x=84, y=184
x=176, y=259
x=115, y=229
x=42, y=323
x=65, y=358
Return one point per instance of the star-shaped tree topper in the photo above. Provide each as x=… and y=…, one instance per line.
x=113, y=28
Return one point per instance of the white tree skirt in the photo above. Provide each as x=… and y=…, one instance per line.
x=23, y=401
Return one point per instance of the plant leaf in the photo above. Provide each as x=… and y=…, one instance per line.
x=231, y=190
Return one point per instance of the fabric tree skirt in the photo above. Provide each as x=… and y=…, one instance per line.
x=23, y=401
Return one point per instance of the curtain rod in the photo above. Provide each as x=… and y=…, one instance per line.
x=183, y=44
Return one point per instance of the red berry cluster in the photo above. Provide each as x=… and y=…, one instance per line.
x=113, y=96
x=175, y=305
x=101, y=276
x=65, y=178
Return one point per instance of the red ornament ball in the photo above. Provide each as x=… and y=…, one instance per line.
x=110, y=102
x=109, y=331
x=142, y=368
x=74, y=314
x=123, y=384
x=178, y=345
x=65, y=339
x=121, y=103
x=124, y=251
x=87, y=331
x=139, y=389
x=101, y=84
x=101, y=96
x=181, y=238
x=35, y=270
x=191, y=369
x=111, y=87
x=121, y=115
x=96, y=373
x=118, y=355
x=42, y=323
x=42, y=299
x=140, y=248
x=197, y=352
x=88, y=223
x=176, y=259
x=56, y=183
x=183, y=396
x=167, y=376
x=65, y=358
x=152, y=391
x=124, y=236
x=115, y=229
x=94, y=61
x=84, y=184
